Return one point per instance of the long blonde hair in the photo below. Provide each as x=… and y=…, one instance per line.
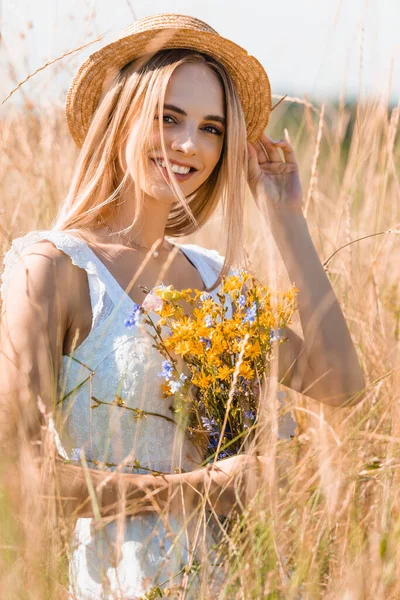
x=138, y=92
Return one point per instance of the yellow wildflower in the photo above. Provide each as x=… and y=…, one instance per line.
x=253, y=350
x=182, y=348
x=224, y=373
x=165, y=389
x=246, y=371
x=168, y=293
x=201, y=380
x=232, y=284
x=167, y=311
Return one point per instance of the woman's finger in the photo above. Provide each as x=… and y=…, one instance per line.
x=261, y=153
x=273, y=152
x=287, y=150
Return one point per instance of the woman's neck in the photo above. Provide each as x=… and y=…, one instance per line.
x=151, y=227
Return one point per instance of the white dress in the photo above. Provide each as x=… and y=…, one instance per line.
x=123, y=561
x=118, y=361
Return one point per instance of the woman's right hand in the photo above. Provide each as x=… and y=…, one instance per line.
x=231, y=483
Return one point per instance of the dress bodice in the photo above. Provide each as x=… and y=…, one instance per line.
x=113, y=374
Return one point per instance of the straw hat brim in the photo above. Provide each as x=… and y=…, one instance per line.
x=247, y=73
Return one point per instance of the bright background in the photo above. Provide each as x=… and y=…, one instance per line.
x=315, y=47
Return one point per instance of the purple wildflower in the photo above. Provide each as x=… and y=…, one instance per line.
x=167, y=369
x=275, y=336
x=251, y=314
x=244, y=383
x=250, y=414
x=205, y=296
x=174, y=386
x=210, y=425
x=213, y=442
x=208, y=320
x=206, y=341
x=134, y=317
x=76, y=454
x=242, y=300
x=239, y=273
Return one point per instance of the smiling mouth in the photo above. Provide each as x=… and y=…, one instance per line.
x=181, y=172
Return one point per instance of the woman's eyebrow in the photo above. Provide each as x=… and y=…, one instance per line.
x=180, y=111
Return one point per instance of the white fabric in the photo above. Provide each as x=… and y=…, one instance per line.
x=114, y=360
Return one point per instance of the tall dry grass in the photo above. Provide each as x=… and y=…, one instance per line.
x=330, y=524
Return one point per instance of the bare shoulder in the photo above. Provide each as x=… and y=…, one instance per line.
x=44, y=275
x=40, y=266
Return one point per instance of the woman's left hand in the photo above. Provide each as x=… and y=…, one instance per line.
x=274, y=183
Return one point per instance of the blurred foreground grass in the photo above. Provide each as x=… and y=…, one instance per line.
x=330, y=526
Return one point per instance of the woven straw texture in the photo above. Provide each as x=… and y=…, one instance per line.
x=166, y=31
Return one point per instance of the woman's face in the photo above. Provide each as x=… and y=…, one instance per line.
x=194, y=129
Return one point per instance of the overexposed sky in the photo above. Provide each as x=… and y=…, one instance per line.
x=313, y=47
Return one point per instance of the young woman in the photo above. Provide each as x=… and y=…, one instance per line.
x=170, y=121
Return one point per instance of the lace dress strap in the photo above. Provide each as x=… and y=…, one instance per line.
x=208, y=262
x=81, y=256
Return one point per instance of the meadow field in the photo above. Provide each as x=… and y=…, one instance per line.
x=329, y=525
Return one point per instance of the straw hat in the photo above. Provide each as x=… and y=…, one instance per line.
x=161, y=32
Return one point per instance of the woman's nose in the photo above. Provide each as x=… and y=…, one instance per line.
x=185, y=143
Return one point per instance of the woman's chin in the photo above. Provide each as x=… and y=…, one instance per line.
x=165, y=194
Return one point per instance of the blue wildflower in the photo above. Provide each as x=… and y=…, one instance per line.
x=228, y=433
x=244, y=383
x=208, y=320
x=242, y=300
x=251, y=314
x=134, y=317
x=167, y=369
x=213, y=442
x=76, y=454
x=183, y=377
x=205, y=296
x=239, y=273
x=174, y=386
x=275, y=336
x=206, y=341
x=222, y=455
x=210, y=425
x=250, y=414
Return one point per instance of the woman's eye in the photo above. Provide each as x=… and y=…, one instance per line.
x=166, y=119
x=213, y=129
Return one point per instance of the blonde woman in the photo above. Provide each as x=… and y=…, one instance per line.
x=170, y=120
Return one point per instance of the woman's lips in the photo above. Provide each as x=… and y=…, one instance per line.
x=179, y=176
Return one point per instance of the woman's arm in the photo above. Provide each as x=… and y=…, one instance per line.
x=35, y=315
x=324, y=365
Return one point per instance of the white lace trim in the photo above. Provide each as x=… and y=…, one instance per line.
x=78, y=252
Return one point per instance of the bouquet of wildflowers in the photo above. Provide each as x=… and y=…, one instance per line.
x=214, y=358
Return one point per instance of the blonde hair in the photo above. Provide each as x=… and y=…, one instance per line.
x=137, y=92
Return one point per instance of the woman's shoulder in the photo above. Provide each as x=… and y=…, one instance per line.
x=37, y=250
